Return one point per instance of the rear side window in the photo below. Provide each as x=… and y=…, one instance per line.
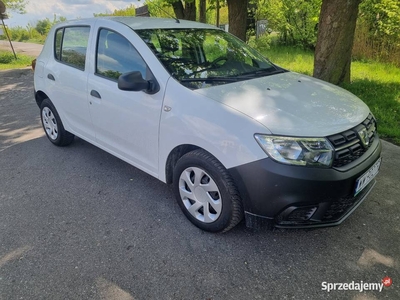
x=59, y=34
x=71, y=44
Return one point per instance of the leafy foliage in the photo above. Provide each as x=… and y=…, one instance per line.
x=8, y=61
x=262, y=44
x=378, y=31
x=296, y=21
x=33, y=32
x=18, y=33
x=160, y=8
x=382, y=17
x=6, y=57
x=43, y=26
x=124, y=12
x=16, y=5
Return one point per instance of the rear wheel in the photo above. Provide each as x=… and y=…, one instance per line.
x=206, y=192
x=53, y=126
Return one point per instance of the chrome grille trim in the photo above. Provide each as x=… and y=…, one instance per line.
x=350, y=145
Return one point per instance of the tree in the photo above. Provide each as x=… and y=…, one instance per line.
x=43, y=26
x=237, y=14
x=16, y=5
x=124, y=12
x=212, y=9
x=202, y=11
x=378, y=31
x=184, y=9
x=159, y=8
x=295, y=21
x=337, y=23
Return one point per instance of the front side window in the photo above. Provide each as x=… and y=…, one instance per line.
x=202, y=57
x=116, y=55
x=71, y=45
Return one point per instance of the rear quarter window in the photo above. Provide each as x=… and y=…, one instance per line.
x=70, y=46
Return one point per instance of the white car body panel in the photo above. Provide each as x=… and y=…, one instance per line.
x=203, y=122
x=292, y=104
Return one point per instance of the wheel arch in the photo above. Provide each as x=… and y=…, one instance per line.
x=39, y=97
x=173, y=158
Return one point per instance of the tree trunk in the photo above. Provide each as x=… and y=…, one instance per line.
x=202, y=11
x=237, y=10
x=190, y=11
x=185, y=12
x=217, y=16
x=337, y=23
x=178, y=9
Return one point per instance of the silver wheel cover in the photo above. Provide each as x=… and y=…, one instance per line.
x=50, y=123
x=200, y=195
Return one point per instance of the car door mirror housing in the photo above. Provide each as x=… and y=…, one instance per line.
x=133, y=81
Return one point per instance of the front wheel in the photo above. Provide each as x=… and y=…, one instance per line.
x=53, y=126
x=206, y=192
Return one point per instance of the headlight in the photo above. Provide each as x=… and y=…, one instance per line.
x=316, y=152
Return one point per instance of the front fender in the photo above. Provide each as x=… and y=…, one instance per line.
x=200, y=121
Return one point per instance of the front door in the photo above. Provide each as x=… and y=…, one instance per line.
x=126, y=123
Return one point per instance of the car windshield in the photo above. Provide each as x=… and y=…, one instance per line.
x=200, y=58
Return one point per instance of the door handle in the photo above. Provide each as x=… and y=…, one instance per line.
x=95, y=94
x=51, y=77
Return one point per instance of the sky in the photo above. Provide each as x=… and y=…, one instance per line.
x=71, y=9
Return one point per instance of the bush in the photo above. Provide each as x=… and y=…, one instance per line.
x=6, y=57
x=8, y=61
x=262, y=44
x=378, y=31
x=295, y=21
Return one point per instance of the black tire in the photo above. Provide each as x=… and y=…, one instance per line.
x=231, y=212
x=52, y=125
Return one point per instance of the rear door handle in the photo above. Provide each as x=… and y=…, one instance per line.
x=51, y=77
x=95, y=94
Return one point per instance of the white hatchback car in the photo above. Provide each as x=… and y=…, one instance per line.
x=199, y=109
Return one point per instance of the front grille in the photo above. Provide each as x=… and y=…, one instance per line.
x=341, y=206
x=353, y=143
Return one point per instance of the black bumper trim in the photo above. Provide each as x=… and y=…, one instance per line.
x=269, y=188
x=334, y=223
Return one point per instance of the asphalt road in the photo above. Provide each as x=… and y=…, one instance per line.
x=78, y=223
x=22, y=48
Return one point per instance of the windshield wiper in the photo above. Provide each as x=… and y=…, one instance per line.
x=223, y=79
x=264, y=72
x=238, y=77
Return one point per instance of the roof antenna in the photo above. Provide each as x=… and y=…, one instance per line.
x=167, y=13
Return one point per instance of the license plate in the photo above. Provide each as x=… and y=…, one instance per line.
x=367, y=177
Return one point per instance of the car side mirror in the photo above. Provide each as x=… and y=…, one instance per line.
x=133, y=81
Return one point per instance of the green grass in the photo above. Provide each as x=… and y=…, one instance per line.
x=377, y=84
x=8, y=61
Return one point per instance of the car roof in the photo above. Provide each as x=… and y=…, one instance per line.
x=137, y=23
x=151, y=23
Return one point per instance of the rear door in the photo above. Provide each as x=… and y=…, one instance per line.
x=66, y=77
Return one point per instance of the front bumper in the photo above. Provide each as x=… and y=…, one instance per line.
x=294, y=196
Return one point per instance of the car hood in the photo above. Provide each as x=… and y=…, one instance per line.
x=292, y=104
